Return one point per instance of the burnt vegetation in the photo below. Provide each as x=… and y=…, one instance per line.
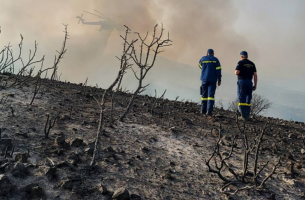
x=60, y=140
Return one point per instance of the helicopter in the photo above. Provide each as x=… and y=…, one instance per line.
x=105, y=23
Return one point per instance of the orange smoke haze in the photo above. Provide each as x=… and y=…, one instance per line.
x=194, y=26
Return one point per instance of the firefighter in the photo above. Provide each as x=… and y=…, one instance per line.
x=245, y=70
x=210, y=77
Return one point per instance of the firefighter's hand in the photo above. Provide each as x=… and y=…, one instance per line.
x=254, y=88
x=219, y=83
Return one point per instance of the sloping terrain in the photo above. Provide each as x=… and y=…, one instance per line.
x=158, y=152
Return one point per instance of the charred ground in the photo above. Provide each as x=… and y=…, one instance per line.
x=158, y=152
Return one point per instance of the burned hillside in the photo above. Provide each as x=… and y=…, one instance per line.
x=159, y=151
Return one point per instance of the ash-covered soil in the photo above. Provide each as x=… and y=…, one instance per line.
x=158, y=152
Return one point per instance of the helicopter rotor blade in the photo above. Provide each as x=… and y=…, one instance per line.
x=80, y=18
x=93, y=14
x=100, y=13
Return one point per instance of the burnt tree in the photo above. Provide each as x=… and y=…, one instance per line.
x=13, y=76
x=145, y=60
x=123, y=66
x=250, y=175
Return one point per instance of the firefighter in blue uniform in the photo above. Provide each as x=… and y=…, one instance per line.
x=210, y=76
x=245, y=70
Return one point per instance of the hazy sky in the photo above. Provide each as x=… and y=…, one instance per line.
x=276, y=29
x=271, y=31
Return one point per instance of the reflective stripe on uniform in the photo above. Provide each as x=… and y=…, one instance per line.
x=209, y=61
x=208, y=98
x=200, y=66
x=244, y=104
x=218, y=67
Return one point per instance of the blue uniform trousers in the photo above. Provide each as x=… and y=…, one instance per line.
x=207, y=97
x=244, y=93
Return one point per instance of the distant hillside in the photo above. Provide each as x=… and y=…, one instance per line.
x=184, y=81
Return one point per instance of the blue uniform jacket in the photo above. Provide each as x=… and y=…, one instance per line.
x=210, y=69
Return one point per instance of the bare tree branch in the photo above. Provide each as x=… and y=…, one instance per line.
x=127, y=47
x=142, y=63
x=61, y=53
